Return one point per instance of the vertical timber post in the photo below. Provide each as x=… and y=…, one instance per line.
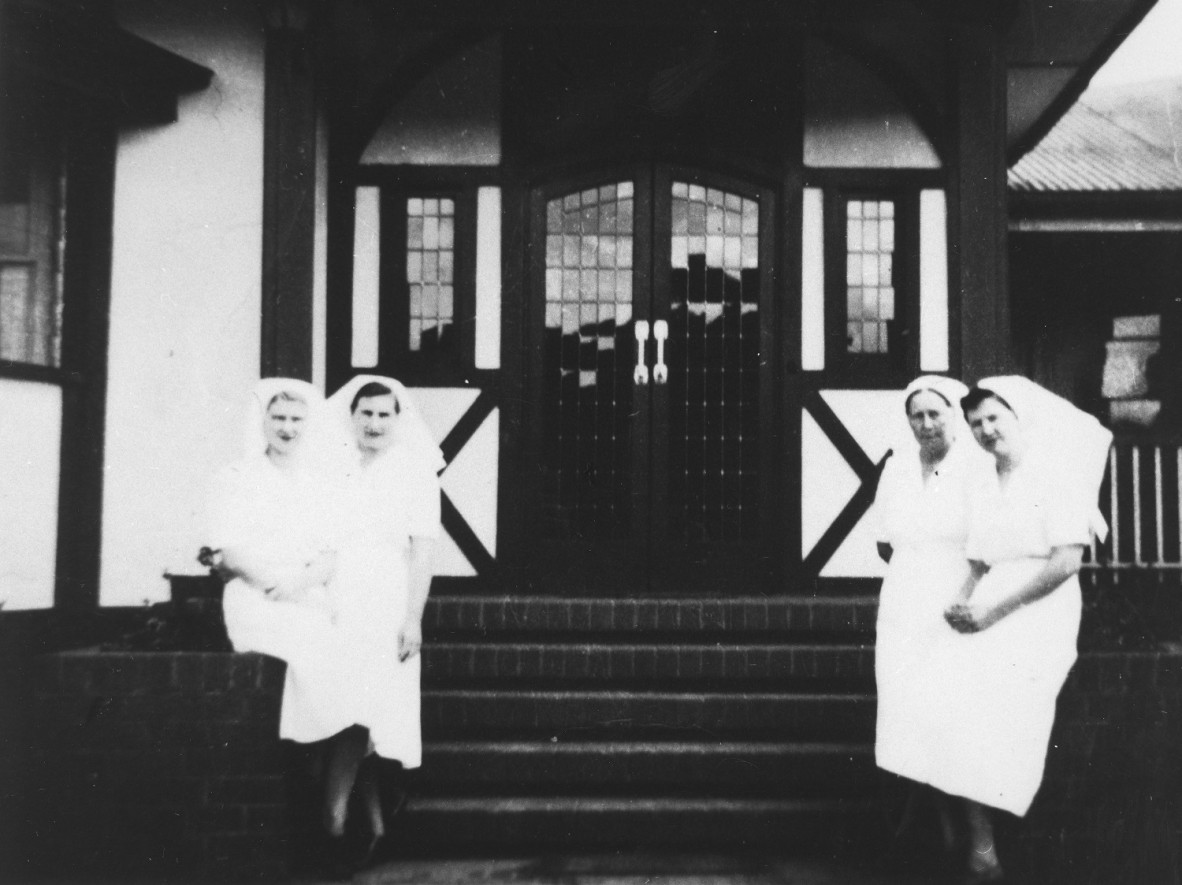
x=289, y=195
x=980, y=291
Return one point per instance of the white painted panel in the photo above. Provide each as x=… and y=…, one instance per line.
x=488, y=278
x=868, y=142
x=933, y=281
x=875, y=418
x=827, y=483
x=448, y=560
x=857, y=557
x=442, y=407
x=367, y=230
x=471, y=481
x=185, y=296
x=812, y=282
x=30, y=467
x=876, y=421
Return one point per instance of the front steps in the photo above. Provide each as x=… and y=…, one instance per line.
x=613, y=723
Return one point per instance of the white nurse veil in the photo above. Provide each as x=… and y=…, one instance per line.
x=254, y=441
x=411, y=434
x=948, y=389
x=1067, y=439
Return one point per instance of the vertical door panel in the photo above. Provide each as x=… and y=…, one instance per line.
x=589, y=441
x=710, y=461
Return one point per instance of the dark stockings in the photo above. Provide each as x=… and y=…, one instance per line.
x=346, y=751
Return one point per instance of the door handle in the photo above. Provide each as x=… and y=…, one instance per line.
x=640, y=373
x=660, y=370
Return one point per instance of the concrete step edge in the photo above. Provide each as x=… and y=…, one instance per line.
x=619, y=695
x=642, y=748
x=632, y=805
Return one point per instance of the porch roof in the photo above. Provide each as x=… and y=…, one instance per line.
x=81, y=48
x=1112, y=140
x=1053, y=47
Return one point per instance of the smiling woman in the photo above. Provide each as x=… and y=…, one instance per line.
x=389, y=489
x=1018, y=613
x=375, y=410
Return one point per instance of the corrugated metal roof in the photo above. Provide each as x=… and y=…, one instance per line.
x=1125, y=139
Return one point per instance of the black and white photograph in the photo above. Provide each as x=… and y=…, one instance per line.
x=591, y=442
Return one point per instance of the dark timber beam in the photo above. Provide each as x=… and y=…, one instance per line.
x=977, y=218
x=289, y=202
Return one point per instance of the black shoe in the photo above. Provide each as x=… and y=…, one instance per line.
x=336, y=859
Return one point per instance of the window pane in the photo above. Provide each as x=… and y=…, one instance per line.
x=31, y=237
x=430, y=261
x=870, y=300
x=853, y=303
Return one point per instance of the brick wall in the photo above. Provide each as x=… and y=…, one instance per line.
x=1110, y=808
x=164, y=764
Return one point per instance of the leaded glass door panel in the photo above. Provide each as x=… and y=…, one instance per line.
x=713, y=422
x=650, y=312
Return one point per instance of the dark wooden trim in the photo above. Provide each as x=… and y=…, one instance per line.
x=787, y=269
x=393, y=289
x=339, y=270
x=513, y=476
x=1079, y=82
x=850, y=515
x=978, y=294
x=470, y=545
x=411, y=177
x=895, y=368
x=830, y=587
x=824, y=379
x=852, y=177
x=81, y=48
x=33, y=372
x=512, y=473
x=427, y=369
x=454, y=368
x=289, y=206
x=469, y=423
x=85, y=331
x=842, y=439
x=1107, y=205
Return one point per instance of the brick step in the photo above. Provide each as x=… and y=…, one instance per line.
x=449, y=616
x=782, y=665
x=843, y=826
x=648, y=715
x=724, y=768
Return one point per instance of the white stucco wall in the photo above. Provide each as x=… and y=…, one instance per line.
x=185, y=295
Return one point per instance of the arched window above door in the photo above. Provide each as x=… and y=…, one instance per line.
x=451, y=117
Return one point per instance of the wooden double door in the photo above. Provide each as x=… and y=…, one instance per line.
x=653, y=421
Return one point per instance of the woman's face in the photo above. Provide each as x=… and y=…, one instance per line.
x=373, y=422
x=995, y=428
x=283, y=424
x=931, y=421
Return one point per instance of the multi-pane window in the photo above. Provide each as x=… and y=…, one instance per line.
x=869, y=275
x=430, y=272
x=31, y=185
